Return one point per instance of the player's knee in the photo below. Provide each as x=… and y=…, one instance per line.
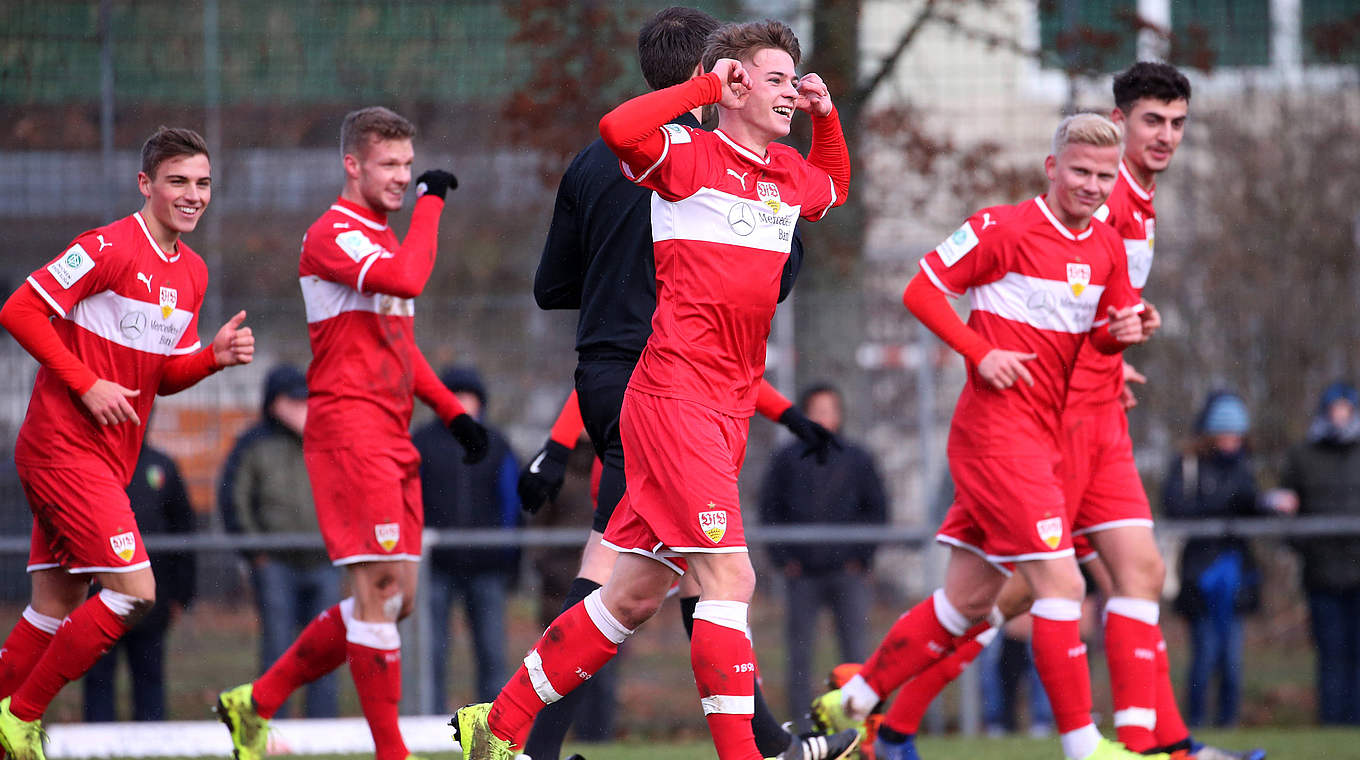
x=632, y=610
x=972, y=604
x=126, y=606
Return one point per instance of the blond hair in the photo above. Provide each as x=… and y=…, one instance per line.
x=1086, y=129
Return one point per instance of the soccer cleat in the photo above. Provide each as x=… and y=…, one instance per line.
x=473, y=734
x=21, y=739
x=828, y=716
x=893, y=751
x=249, y=732
x=1208, y=752
x=817, y=746
x=1112, y=750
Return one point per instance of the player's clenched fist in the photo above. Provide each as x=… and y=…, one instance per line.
x=813, y=96
x=234, y=344
x=108, y=403
x=436, y=182
x=736, y=82
x=1002, y=368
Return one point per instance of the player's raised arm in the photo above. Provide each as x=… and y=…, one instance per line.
x=404, y=272
x=828, y=152
x=634, y=129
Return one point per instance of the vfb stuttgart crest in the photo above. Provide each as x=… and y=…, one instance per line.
x=124, y=545
x=168, y=300
x=713, y=523
x=1078, y=277
x=768, y=192
x=1050, y=531
x=387, y=534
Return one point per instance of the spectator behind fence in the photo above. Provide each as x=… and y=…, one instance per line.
x=264, y=489
x=1322, y=477
x=846, y=490
x=461, y=495
x=161, y=505
x=1219, y=577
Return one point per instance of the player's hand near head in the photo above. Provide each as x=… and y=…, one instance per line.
x=736, y=82
x=1001, y=368
x=1131, y=375
x=1151, y=318
x=1126, y=325
x=233, y=344
x=108, y=403
x=813, y=96
x=436, y=182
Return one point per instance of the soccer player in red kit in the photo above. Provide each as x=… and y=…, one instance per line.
x=359, y=284
x=113, y=321
x=722, y=221
x=1043, y=280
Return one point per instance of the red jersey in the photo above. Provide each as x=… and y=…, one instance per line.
x=124, y=307
x=722, y=224
x=1035, y=286
x=1099, y=378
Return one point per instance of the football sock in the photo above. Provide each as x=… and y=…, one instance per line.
x=924, y=634
x=84, y=637
x=1060, y=659
x=905, y=713
x=724, y=671
x=318, y=650
x=1131, y=637
x=373, y=651
x=771, y=738
x=554, y=720
x=22, y=648
x=574, y=647
x=1171, y=729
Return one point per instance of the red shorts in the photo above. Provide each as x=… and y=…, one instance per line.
x=367, y=503
x=1100, y=481
x=82, y=521
x=681, y=461
x=1007, y=508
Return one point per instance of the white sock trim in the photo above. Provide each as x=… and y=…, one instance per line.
x=533, y=664
x=858, y=698
x=1143, y=717
x=1142, y=610
x=44, y=623
x=118, y=603
x=1054, y=608
x=986, y=637
x=724, y=613
x=728, y=704
x=382, y=636
x=608, y=625
x=996, y=617
x=1080, y=743
x=948, y=615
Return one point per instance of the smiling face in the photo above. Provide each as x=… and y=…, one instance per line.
x=1152, y=131
x=1080, y=178
x=379, y=174
x=176, y=196
x=768, y=111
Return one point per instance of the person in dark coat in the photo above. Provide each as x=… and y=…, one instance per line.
x=161, y=505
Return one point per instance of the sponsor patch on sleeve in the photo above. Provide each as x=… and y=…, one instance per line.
x=678, y=134
x=73, y=265
x=357, y=245
x=955, y=246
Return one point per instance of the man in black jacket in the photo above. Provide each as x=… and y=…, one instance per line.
x=847, y=490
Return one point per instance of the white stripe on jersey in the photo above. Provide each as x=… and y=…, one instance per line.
x=1139, y=254
x=728, y=704
x=134, y=324
x=713, y=216
x=367, y=222
x=49, y=299
x=1040, y=303
x=325, y=299
x=152, y=241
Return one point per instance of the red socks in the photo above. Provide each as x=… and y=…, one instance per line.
x=319, y=649
x=1060, y=658
x=81, y=639
x=724, y=671
x=918, y=638
x=905, y=713
x=1131, y=637
x=377, y=679
x=574, y=647
x=1171, y=728
x=23, y=648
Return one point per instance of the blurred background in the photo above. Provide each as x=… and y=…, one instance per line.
x=948, y=106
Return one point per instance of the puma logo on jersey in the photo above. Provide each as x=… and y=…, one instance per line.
x=146, y=279
x=987, y=220
x=740, y=177
x=340, y=225
x=102, y=243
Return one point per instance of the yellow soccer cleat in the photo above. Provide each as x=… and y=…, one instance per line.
x=21, y=739
x=473, y=734
x=1111, y=750
x=249, y=732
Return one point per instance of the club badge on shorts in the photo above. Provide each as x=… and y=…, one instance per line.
x=1050, y=531
x=713, y=523
x=1078, y=277
x=387, y=535
x=124, y=545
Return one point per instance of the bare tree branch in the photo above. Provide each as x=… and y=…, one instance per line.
x=889, y=62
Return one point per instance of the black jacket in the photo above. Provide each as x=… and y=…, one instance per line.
x=1211, y=486
x=845, y=490
x=1326, y=476
x=598, y=257
x=161, y=506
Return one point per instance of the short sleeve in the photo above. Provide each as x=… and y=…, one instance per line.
x=683, y=166
x=342, y=256
x=76, y=273
x=973, y=255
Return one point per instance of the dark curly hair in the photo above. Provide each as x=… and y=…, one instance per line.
x=1148, y=79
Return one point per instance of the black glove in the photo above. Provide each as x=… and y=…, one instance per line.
x=436, y=182
x=816, y=439
x=541, y=479
x=472, y=435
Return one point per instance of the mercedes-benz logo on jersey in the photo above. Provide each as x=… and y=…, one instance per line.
x=133, y=324
x=1040, y=302
x=741, y=219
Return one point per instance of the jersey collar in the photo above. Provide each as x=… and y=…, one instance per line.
x=1059, y=226
x=743, y=152
x=365, y=216
x=169, y=258
x=1133, y=183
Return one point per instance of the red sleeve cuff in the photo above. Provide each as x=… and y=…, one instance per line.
x=567, y=429
x=770, y=403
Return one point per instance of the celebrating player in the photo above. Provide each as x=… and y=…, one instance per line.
x=598, y=258
x=1041, y=278
x=722, y=223
x=359, y=285
x=113, y=321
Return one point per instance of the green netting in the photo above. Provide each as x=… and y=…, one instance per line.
x=1211, y=33
x=1096, y=35
x=1331, y=31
